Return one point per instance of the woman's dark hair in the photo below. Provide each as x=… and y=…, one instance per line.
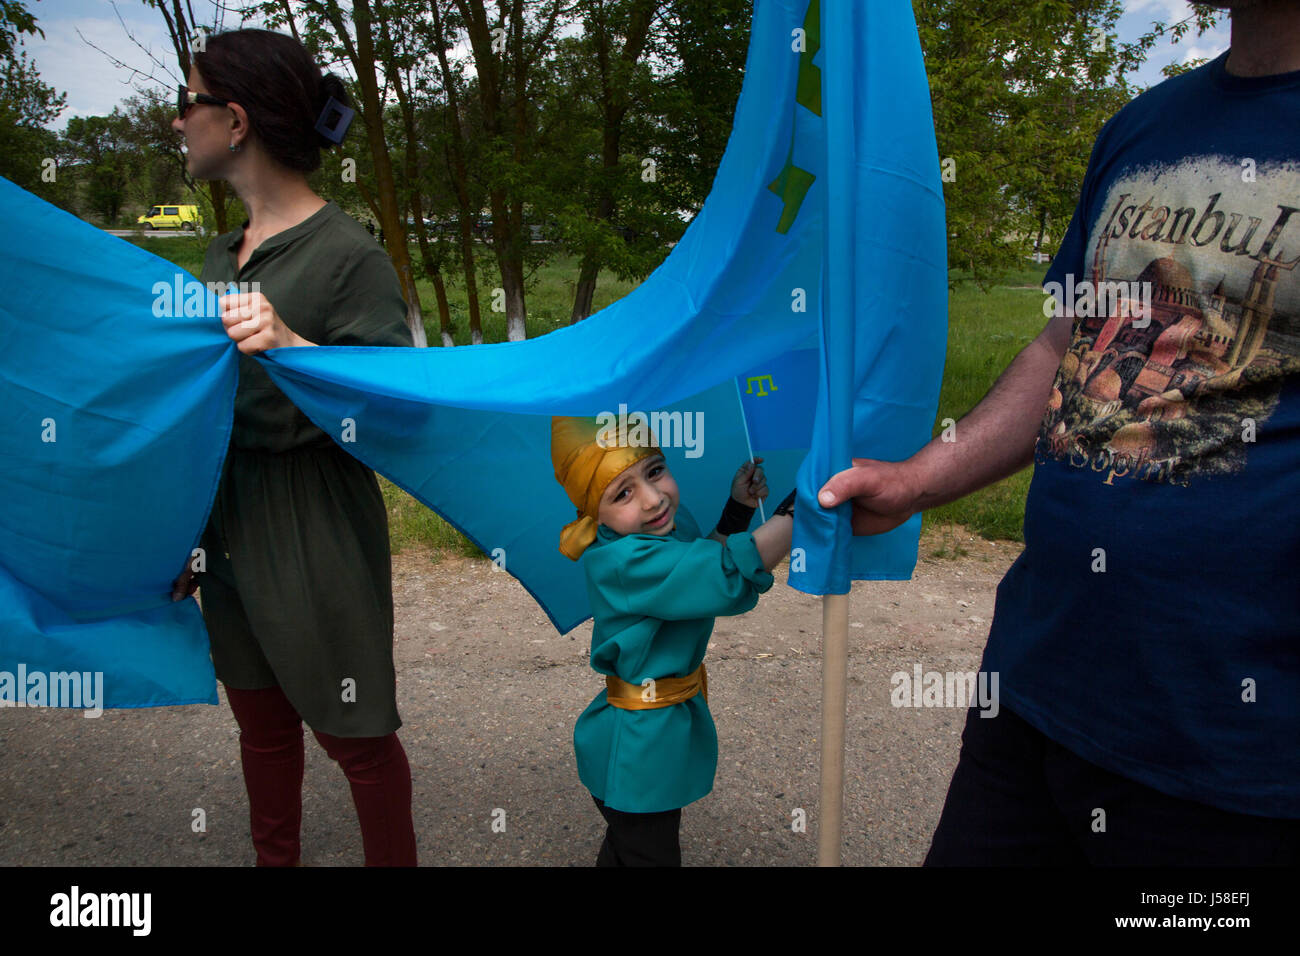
x=276, y=81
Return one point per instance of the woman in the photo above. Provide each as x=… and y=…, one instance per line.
x=297, y=594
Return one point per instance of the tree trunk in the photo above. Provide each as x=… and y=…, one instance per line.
x=467, y=260
x=411, y=156
x=507, y=215
x=444, y=310
x=586, y=289
x=615, y=97
x=516, y=310
x=390, y=218
x=217, y=192
x=510, y=262
x=514, y=286
x=460, y=176
x=181, y=31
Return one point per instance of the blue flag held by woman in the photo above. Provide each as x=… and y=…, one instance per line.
x=824, y=225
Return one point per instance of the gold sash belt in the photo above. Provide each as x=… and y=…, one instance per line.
x=663, y=692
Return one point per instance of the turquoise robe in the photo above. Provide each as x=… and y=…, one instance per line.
x=654, y=599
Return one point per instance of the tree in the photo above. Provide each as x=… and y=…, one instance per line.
x=28, y=151
x=1020, y=89
x=633, y=124
x=549, y=134
x=507, y=56
x=352, y=39
x=703, y=46
x=15, y=20
x=185, y=32
x=615, y=83
x=456, y=149
x=400, y=31
x=104, y=146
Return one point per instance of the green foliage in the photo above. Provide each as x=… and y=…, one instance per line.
x=161, y=163
x=1177, y=69
x=185, y=251
x=558, y=123
x=103, y=146
x=26, y=105
x=595, y=193
x=411, y=524
x=550, y=297
x=114, y=167
x=1020, y=89
x=949, y=545
x=706, y=42
x=15, y=20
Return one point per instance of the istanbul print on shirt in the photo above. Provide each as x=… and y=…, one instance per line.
x=1187, y=323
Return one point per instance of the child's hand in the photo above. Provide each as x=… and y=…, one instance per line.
x=749, y=487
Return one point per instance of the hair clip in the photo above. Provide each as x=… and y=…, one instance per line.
x=334, y=120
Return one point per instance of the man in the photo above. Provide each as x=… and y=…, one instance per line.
x=1148, y=638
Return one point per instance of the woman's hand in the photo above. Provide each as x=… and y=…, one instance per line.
x=749, y=487
x=254, y=325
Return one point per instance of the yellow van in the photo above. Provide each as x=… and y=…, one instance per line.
x=171, y=217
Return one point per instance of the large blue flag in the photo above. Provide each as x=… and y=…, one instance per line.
x=117, y=410
x=782, y=315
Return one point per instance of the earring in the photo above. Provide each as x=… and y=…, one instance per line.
x=234, y=148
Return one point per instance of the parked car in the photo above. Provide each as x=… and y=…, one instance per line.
x=171, y=217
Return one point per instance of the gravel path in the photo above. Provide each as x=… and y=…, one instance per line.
x=489, y=693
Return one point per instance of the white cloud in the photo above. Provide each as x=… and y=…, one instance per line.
x=1167, y=10
x=1137, y=19
x=92, y=83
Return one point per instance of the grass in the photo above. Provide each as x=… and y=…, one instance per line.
x=950, y=545
x=186, y=251
x=411, y=524
x=549, y=295
x=985, y=331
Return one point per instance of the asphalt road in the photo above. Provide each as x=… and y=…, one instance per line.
x=151, y=233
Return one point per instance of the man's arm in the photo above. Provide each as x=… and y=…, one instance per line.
x=994, y=440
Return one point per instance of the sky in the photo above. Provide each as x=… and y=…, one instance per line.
x=94, y=85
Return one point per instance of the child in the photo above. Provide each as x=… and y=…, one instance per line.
x=646, y=746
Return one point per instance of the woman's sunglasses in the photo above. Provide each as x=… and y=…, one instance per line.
x=185, y=98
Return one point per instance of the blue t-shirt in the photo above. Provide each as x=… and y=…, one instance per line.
x=1152, y=624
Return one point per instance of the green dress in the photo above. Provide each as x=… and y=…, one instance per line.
x=654, y=599
x=298, y=586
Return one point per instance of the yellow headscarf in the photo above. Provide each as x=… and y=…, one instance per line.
x=586, y=461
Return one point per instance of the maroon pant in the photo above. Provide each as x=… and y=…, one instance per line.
x=271, y=743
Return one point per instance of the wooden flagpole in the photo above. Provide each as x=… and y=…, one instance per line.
x=835, y=667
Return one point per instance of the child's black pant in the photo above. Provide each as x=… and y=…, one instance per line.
x=640, y=839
